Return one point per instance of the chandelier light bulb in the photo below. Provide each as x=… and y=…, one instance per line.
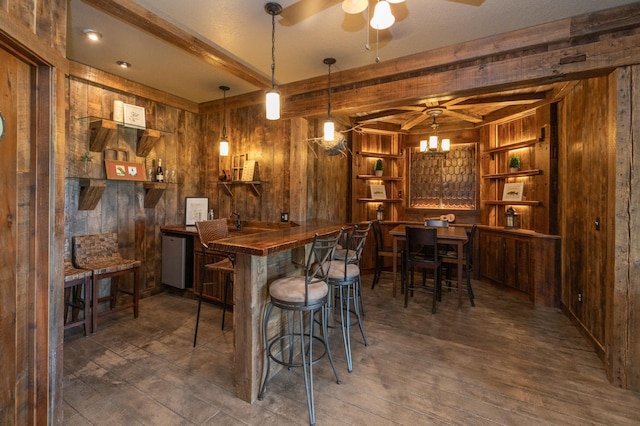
x=446, y=145
x=382, y=16
x=423, y=145
x=354, y=6
x=329, y=130
x=224, y=147
x=273, y=105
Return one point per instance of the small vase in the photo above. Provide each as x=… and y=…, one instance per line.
x=514, y=169
x=87, y=166
x=378, y=172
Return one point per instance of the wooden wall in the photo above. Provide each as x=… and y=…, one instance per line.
x=598, y=170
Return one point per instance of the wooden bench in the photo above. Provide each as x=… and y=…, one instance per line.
x=77, y=292
x=99, y=253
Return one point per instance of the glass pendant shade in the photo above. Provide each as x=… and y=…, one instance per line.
x=273, y=105
x=224, y=147
x=433, y=143
x=446, y=145
x=329, y=130
x=423, y=145
x=382, y=16
x=354, y=6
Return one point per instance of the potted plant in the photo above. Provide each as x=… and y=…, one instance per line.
x=378, y=167
x=514, y=163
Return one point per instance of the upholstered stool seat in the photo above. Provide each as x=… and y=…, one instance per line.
x=299, y=298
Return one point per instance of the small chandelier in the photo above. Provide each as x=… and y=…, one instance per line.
x=329, y=125
x=273, y=95
x=435, y=146
x=224, y=141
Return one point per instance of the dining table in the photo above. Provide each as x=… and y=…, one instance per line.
x=450, y=235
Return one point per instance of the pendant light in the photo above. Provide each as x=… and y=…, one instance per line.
x=354, y=6
x=224, y=141
x=329, y=126
x=273, y=96
x=435, y=146
x=382, y=16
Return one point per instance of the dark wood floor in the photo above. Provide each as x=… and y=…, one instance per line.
x=503, y=362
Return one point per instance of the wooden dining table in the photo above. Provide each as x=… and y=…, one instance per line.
x=451, y=235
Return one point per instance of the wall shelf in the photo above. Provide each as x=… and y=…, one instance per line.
x=251, y=184
x=513, y=203
x=374, y=177
x=533, y=172
x=376, y=200
x=379, y=154
x=511, y=146
x=153, y=193
x=102, y=132
x=90, y=193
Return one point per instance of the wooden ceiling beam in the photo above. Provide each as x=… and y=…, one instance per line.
x=139, y=17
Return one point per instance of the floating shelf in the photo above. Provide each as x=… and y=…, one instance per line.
x=513, y=203
x=532, y=172
x=376, y=200
x=153, y=193
x=374, y=177
x=252, y=184
x=147, y=138
x=90, y=193
x=512, y=146
x=378, y=155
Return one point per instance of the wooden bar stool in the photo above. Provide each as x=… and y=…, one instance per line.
x=77, y=293
x=208, y=231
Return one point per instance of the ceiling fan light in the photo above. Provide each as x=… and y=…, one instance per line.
x=273, y=104
x=354, y=6
x=382, y=16
x=329, y=130
x=423, y=145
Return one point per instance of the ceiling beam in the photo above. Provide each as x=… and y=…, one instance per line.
x=135, y=15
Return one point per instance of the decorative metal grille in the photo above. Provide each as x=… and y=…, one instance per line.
x=443, y=182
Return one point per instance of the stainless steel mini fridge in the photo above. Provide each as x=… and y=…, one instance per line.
x=177, y=261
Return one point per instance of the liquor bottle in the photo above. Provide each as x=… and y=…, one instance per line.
x=159, y=172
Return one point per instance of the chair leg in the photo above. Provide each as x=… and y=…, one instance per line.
x=307, y=366
x=195, y=334
x=267, y=347
x=227, y=283
x=470, y=289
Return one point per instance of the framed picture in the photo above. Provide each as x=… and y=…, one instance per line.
x=124, y=170
x=378, y=192
x=512, y=191
x=134, y=116
x=196, y=210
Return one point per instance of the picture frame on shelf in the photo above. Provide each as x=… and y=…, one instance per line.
x=124, y=170
x=513, y=191
x=196, y=209
x=378, y=192
x=134, y=116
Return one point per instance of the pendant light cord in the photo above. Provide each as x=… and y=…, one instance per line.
x=224, y=114
x=273, y=49
x=329, y=93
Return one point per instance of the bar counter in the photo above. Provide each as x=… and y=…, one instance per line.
x=261, y=257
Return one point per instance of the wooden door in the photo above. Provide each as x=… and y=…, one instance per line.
x=17, y=310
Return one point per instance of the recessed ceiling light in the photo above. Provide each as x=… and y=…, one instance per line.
x=92, y=35
x=124, y=64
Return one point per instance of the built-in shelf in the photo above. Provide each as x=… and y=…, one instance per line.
x=377, y=200
x=251, y=184
x=374, y=177
x=532, y=172
x=102, y=132
x=512, y=146
x=513, y=203
x=378, y=155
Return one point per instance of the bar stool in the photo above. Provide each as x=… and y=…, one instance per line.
x=208, y=231
x=77, y=293
x=299, y=298
x=344, y=281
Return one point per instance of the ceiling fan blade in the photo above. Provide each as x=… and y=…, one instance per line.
x=413, y=122
x=469, y=2
x=303, y=9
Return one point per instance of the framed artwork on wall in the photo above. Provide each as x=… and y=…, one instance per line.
x=124, y=170
x=196, y=209
x=512, y=191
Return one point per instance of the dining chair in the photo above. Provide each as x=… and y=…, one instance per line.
x=421, y=252
x=297, y=296
x=382, y=251
x=223, y=264
x=450, y=260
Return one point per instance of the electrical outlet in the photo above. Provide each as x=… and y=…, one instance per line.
x=579, y=297
x=284, y=217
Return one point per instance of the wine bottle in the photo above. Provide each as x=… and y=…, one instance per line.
x=159, y=172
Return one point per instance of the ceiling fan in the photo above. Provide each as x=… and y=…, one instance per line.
x=304, y=9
